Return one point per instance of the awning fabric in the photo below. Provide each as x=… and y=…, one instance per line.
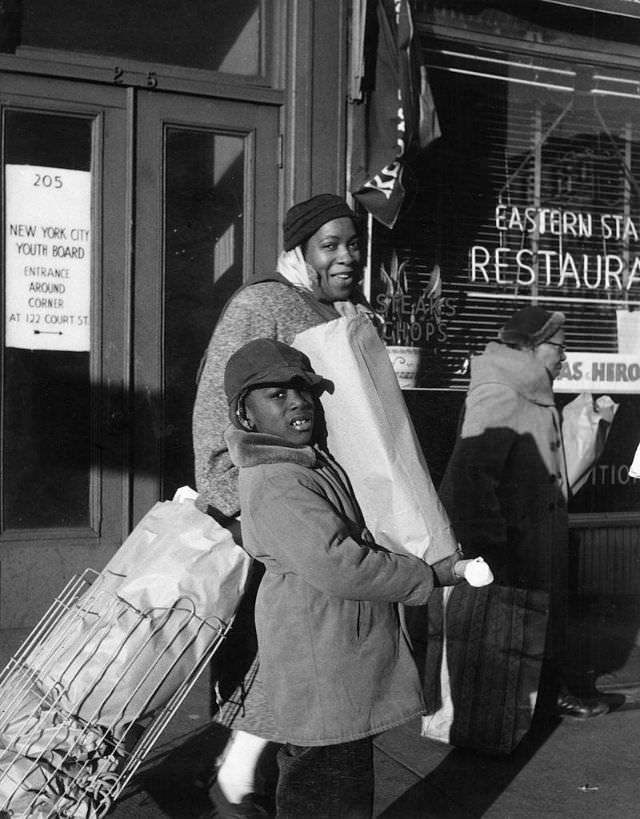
x=390, y=123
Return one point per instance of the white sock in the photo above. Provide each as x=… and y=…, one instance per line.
x=237, y=773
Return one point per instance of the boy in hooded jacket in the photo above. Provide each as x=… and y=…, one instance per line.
x=335, y=665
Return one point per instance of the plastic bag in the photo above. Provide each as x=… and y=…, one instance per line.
x=585, y=428
x=634, y=469
x=370, y=433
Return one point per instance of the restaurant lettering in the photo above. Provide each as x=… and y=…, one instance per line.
x=526, y=267
x=416, y=322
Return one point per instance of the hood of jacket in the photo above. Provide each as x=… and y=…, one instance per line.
x=518, y=369
x=255, y=448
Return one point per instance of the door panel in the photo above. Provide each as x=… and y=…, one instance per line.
x=63, y=484
x=129, y=217
x=207, y=204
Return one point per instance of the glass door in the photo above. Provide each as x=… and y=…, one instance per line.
x=207, y=218
x=64, y=348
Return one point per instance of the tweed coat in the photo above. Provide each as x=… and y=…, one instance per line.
x=267, y=307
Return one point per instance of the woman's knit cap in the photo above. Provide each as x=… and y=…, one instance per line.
x=264, y=362
x=531, y=326
x=302, y=220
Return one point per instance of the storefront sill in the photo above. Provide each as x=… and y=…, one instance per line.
x=589, y=520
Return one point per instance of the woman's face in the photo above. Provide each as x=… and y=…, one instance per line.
x=334, y=253
x=286, y=411
x=551, y=353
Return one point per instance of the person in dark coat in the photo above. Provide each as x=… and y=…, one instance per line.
x=505, y=486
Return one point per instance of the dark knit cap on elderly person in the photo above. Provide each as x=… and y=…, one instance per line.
x=266, y=362
x=531, y=326
x=303, y=219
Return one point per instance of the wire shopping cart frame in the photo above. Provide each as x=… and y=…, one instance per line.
x=71, y=734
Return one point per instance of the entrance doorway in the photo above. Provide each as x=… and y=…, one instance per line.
x=129, y=216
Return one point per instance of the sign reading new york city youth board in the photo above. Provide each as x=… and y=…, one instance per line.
x=48, y=258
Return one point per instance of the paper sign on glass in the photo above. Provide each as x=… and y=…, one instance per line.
x=48, y=258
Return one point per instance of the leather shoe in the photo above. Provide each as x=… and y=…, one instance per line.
x=247, y=808
x=570, y=706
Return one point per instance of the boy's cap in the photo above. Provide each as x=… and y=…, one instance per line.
x=531, y=325
x=302, y=220
x=265, y=361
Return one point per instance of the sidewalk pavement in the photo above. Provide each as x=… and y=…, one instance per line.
x=567, y=770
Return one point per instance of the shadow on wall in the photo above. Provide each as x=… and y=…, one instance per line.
x=60, y=426
x=59, y=432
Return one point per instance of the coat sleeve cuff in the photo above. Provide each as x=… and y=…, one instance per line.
x=443, y=570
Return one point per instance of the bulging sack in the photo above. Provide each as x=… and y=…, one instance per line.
x=370, y=433
x=125, y=646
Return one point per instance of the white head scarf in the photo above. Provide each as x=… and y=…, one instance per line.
x=296, y=271
x=293, y=267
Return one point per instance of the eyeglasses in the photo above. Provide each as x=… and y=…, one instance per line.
x=561, y=347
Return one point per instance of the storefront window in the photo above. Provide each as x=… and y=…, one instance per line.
x=532, y=195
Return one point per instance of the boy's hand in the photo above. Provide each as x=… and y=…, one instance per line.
x=476, y=572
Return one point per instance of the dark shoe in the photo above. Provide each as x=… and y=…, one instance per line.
x=247, y=808
x=570, y=706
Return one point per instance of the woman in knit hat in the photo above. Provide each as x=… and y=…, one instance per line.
x=317, y=280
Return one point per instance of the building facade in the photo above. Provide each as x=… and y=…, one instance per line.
x=149, y=153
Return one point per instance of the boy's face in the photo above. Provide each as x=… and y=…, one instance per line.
x=286, y=411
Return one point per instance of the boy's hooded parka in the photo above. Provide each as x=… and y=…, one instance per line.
x=334, y=661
